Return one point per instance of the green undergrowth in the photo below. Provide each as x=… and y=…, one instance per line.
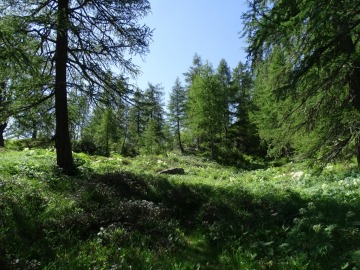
x=118, y=213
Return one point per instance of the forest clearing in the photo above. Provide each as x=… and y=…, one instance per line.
x=118, y=213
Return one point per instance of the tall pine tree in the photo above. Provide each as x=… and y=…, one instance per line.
x=206, y=108
x=81, y=38
x=308, y=64
x=153, y=137
x=224, y=76
x=21, y=79
x=177, y=110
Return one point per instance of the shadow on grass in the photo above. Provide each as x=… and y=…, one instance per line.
x=198, y=221
x=185, y=225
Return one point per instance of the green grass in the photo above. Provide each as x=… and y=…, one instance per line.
x=118, y=213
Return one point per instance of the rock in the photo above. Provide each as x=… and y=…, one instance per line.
x=173, y=171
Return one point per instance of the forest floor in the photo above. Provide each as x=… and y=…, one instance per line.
x=118, y=213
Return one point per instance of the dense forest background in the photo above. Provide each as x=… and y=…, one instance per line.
x=297, y=96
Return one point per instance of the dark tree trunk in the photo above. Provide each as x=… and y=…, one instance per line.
x=357, y=150
x=212, y=150
x=34, y=130
x=2, y=125
x=62, y=134
x=2, y=129
x=122, y=151
x=179, y=137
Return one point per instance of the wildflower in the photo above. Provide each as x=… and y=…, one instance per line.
x=311, y=206
x=317, y=228
x=296, y=175
x=296, y=220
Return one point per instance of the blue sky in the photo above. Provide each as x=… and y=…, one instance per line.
x=182, y=28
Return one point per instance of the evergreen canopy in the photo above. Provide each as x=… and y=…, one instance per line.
x=307, y=59
x=81, y=39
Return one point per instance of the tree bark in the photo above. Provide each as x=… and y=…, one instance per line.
x=34, y=132
x=4, y=124
x=2, y=129
x=62, y=134
x=179, y=137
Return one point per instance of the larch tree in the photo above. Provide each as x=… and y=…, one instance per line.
x=82, y=39
x=21, y=80
x=193, y=70
x=206, y=107
x=136, y=123
x=153, y=137
x=79, y=113
x=177, y=110
x=224, y=76
x=243, y=129
x=106, y=126
x=34, y=123
x=307, y=57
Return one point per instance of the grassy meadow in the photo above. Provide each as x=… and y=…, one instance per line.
x=118, y=213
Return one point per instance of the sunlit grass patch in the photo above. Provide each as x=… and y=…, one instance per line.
x=118, y=212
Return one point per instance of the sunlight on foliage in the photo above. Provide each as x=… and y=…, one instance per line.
x=118, y=213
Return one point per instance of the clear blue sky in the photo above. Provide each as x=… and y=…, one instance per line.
x=182, y=28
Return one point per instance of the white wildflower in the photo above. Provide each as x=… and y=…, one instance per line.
x=317, y=228
x=296, y=175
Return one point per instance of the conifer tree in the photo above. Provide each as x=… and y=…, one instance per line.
x=21, y=80
x=34, y=123
x=81, y=39
x=106, y=128
x=306, y=54
x=79, y=113
x=177, y=110
x=153, y=105
x=150, y=141
x=224, y=76
x=193, y=70
x=243, y=129
x=206, y=107
x=154, y=117
x=136, y=123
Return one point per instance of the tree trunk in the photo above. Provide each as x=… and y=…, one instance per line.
x=62, y=134
x=179, y=137
x=2, y=129
x=357, y=150
x=34, y=130
x=2, y=125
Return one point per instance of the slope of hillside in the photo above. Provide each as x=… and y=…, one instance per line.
x=118, y=213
